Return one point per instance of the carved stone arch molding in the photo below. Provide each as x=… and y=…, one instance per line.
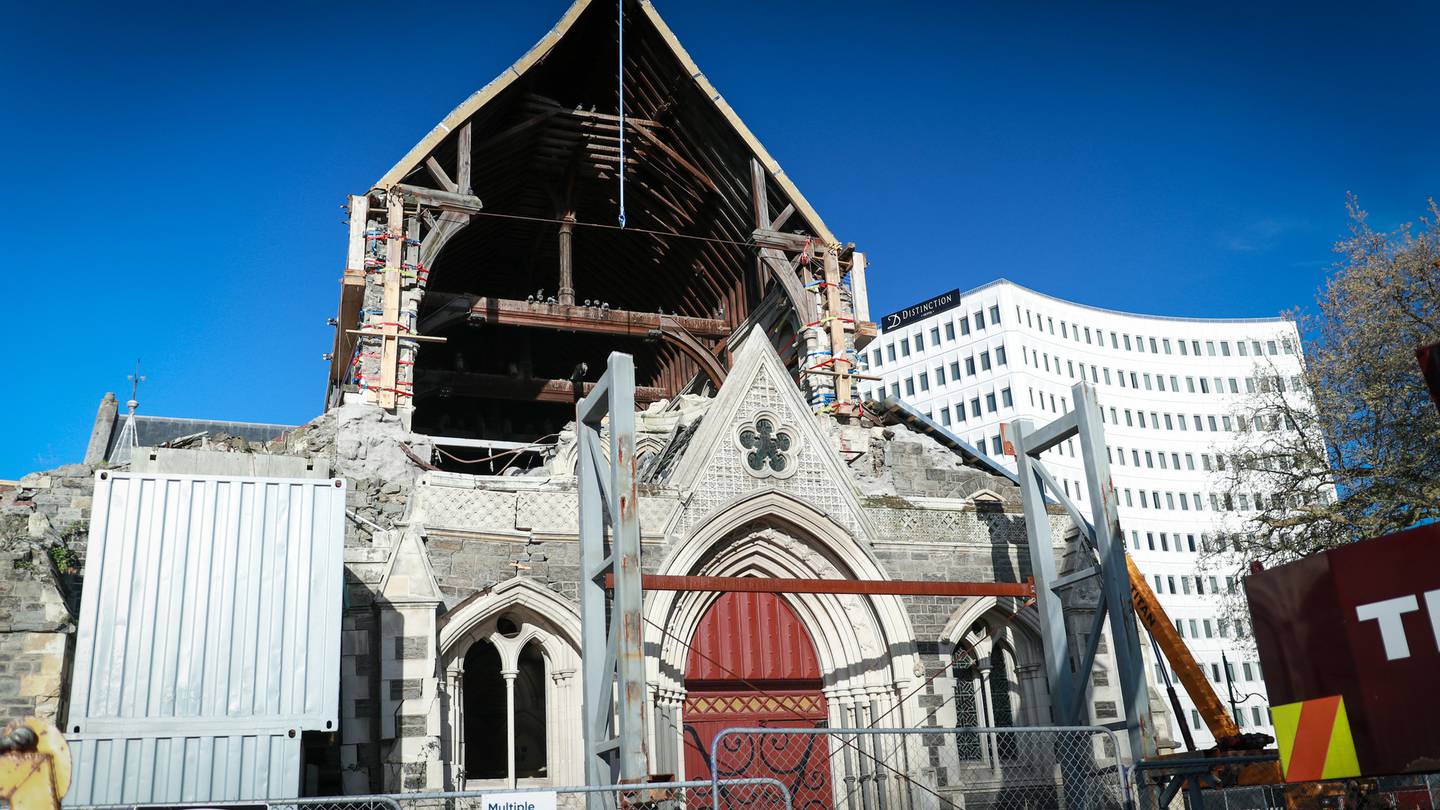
x=1016, y=627
x=542, y=617
x=865, y=644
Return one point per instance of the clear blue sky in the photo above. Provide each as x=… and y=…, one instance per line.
x=175, y=171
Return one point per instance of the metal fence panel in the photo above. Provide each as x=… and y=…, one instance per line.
x=317, y=803
x=762, y=794
x=931, y=768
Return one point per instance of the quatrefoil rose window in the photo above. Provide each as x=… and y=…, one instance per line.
x=768, y=449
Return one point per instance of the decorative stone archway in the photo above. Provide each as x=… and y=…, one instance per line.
x=1014, y=629
x=514, y=616
x=864, y=645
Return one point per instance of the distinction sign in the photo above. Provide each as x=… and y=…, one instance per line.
x=924, y=309
x=531, y=800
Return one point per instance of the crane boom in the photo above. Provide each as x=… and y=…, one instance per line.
x=1191, y=676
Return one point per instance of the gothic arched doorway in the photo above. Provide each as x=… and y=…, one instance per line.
x=752, y=664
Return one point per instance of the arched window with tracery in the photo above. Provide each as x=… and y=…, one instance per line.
x=985, y=695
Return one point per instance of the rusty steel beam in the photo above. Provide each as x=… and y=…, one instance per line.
x=503, y=386
x=886, y=587
x=571, y=318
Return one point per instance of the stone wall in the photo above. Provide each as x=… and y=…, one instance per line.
x=43, y=532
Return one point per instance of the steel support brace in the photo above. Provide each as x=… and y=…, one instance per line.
x=1102, y=531
x=1042, y=565
x=614, y=656
x=1114, y=574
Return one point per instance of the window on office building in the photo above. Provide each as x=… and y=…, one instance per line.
x=999, y=355
x=985, y=361
x=995, y=447
x=1005, y=398
x=890, y=352
x=970, y=366
x=909, y=386
x=924, y=381
x=955, y=370
x=990, y=403
x=964, y=324
x=939, y=375
x=905, y=347
x=945, y=415
x=895, y=390
x=934, y=335
x=995, y=314
x=950, y=331
x=979, y=318
x=919, y=342
x=975, y=407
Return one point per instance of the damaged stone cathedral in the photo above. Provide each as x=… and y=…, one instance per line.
x=486, y=282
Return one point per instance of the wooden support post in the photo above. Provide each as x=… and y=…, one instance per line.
x=390, y=302
x=859, y=288
x=462, y=160
x=760, y=201
x=410, y=302
x=835, y=311
x=355, y=254
x=566, y=293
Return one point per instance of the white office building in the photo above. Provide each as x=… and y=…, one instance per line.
x=1171, y=391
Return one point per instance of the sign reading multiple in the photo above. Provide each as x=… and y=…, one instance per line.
x=530, y=800
x=924, y=309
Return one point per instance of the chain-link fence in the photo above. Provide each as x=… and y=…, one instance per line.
x=930, y=768
x=760, y=793
x=309, y=803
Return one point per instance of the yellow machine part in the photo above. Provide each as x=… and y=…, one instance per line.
x=36, y=779
x=1192, y=677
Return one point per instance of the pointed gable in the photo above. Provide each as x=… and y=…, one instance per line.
x=576, y=23
x=761, y=436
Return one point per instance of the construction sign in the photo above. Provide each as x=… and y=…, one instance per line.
x=1315, y=740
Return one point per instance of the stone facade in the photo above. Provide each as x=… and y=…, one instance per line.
x=436, y=560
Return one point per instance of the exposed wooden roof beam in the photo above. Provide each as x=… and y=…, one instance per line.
x=506, y=312
x=504, y=386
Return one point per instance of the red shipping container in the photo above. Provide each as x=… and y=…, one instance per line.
x=1362, y=621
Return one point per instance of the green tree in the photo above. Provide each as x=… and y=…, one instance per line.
x=1351, y=448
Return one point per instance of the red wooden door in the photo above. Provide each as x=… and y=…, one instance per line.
x=752, y=664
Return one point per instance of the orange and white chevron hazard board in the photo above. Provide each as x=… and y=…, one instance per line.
x=1315, y=740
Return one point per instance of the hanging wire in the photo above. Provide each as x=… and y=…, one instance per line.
x=661, y=234
x=620, y=24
